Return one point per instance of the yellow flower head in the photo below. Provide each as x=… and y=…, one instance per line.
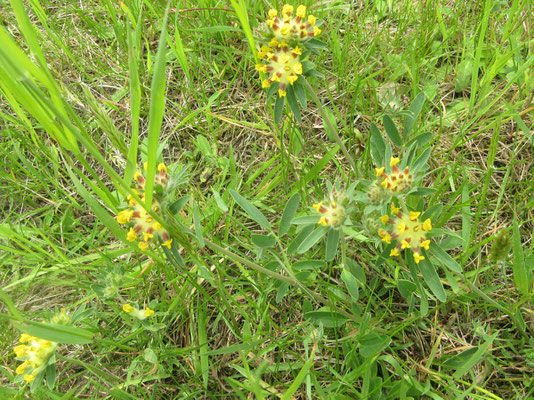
x=331, y=210
x=34, y=354
x=292, y=28
x=282, y=65
x=407, y=230
x=137, y=313
x=397, y=181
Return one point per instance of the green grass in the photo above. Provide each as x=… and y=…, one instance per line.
x=88, y=93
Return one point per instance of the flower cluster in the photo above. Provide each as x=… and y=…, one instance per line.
x=137, y=313
x=407, y=230
x=283, y=56
x=34, y=354
x=397, y=181
x=287, y=29
x=143, y=227
x=332, y=211
x=282, y=64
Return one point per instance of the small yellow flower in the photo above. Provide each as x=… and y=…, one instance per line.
x=147, y=236
x=148, y=312
x=124, y=216
x=261, y=68
x=287, y=10
x=131, y=236
x=22, y=367
x=162, y=167
x=317, y=206
x=29, y=378
x=322, y=221
x=394, y=161
x=301, y=11
x=316, y=31
x=265, y=84
x=394, y=252
x=272, y=13
x=394, y=210
x=384, y=219
x=282, y=93
x=20, y=350
x=167, y=243
x=298, y=51
x=311, y=19
x=414, y=215
x=401, y=227
x=273, y=43
x=143, y=245
x=425, y=244
x=417, y=257
x=387, y=238
x=405, y=245
x=379, y=171
x=127, y=308
x=427, y=225
x=137, y=175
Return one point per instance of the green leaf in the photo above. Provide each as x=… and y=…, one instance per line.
x=278, y=109
x=300, y=92
x=445, y=258
x=263, y=241
x=51, y=375
x=352, y=284
x=470, y=362
x=312, y=238
x=460, y=359
x=373, y=343
x=415, y=110
x=56, y=333
x=289, y=213
x=378, y=147
x=431, y=278
x=198, y=226
x=406, y=288
x=251, y=210
x=422, y=159
x=175, y=207
x=157, y=108
x=326, y=317
x=392, y=131
x=332, y=242
x=295, y=243
x=293, y=104
x=519, y=269
x=219, y=200
x=306, y=265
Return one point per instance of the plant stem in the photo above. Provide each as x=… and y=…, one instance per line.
x=331, y=128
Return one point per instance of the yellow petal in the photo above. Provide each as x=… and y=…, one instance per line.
x=405, y=245
x=414, y=215
x=131, y=236
x=298, y=68
x=272, y=13
x=384, y=219
x=394, y=252
x=265, y=84
x=301, y=11
x=425, y=244
x=387, y=238
x=143, y=245
x=417, y=257
x=316, y=31
x=29, y=378
x=162, y=167
x=167, y=243
x=379, y=171
x=127, y=308
x=427, y=225
x=322, y=221
x=394, y=161
x=282, y=93
x=401, y=227
x=148, y=312
x=312, y=19
x=394, y=210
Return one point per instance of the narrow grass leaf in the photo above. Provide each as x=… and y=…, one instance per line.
x=56, y=333
x=157, y=108
x=251, y=210
x=288, y=394
x=392, y=130
x=521, y=274
x=289, y=213
x=476, y=357
x=198, y=227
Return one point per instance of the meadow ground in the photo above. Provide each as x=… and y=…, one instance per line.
x=260, y=294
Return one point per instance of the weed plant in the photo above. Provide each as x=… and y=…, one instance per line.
x=327, y=200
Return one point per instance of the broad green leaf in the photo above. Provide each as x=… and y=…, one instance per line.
x=289, y=213
x=415, y=110
x=373, y=343
x=175, y=207
x=460, y=359
x=378, y=147
x=251, y=210
x=445, y=258
x=406, y=288
x=295, y=243
x=293, y=104
x=392, y=131
x=312, y=238
x=432, y=279
x=332, y=241
x=300, y=92
x=521, y=274
x=263, y=241
x=326, y=317
x=309, y=265
x=352, y=284
x=278, y=109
